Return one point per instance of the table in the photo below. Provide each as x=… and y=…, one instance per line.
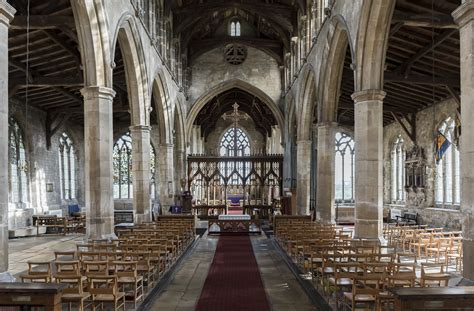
x=435, y=298
x=234, y=224
x=32, y=294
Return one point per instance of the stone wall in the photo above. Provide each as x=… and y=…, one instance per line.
x=259, y=70
x=43, y=166
x=427, y=121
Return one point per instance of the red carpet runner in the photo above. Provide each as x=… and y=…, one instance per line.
x=233, y=282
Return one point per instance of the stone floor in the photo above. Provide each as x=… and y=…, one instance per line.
x=184, y=290
x=39, y=248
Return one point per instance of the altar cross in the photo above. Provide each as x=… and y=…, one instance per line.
x=235, y=116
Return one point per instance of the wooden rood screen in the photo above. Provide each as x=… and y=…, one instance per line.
x=255, y=179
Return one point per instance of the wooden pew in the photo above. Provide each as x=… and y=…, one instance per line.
x=442, y=298
x=31, y=294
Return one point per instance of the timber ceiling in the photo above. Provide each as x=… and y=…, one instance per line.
x=248, y=103
x=422, y=62
x=55, y=72
x=197, y=21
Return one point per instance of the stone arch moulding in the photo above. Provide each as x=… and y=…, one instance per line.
x=372, y=43
x=162, y=109
x=126, y=34
x=307, y=97
x=94, y=42
x=227, y=85
x=338, y=40
x=179, y=127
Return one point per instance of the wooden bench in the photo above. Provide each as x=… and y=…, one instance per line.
x=31, y=294
x=443, y=298
x=58, y=224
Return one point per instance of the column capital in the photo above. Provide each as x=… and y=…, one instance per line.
x=140, y=128
x=327, y=124
x=303, y=142
x=464, y=13
x=368, y=95
x=91, y=92
x=7, y=12
x=166, y=145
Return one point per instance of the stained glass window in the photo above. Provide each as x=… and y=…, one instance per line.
x=122, y=164
x=398, y=170
x=448, y=187
x=344, y=175
x=235, y=143
x=67, y=167
x=18, y=168
x=235, y=28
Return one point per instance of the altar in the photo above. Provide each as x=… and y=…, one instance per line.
x=234, y=224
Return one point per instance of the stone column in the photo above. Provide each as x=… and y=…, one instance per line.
x=368, y=164
x=303, y=175
x=98, y=127
x=464, y=16
x=325, y=192
x=165, y=181
x=6, y=15
x=141, y=172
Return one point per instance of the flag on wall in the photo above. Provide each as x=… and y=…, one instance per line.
x=442, y=144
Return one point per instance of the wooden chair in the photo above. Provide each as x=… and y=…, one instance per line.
x=344, y=274
x=433, y=274
x=402, y=275
x=129, y=281
x=94, y=268
x=454, y=253
x=360, y=294
x=104, y=290
x=63, y=256
x=67, y=268
x=38, y=271
x=74, y=293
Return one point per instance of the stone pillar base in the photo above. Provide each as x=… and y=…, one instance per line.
x=98, y=227
x=468, y=255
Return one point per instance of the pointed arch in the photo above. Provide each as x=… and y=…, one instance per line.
x=338, y=41
x=307, y=98
x=127, y=36
x=162, y=109
x=372, y=43
x=93, y=37
x=225, y=86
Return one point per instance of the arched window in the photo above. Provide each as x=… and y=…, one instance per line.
x=67, y=167
x=448, y=190
x=235, y=143
x=344, y=181
x=18, y=168
x=123, y=188
x=398, y=170
x=152, y=172
x=235, y=28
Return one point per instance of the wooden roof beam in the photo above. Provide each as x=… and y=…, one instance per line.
x=406, y=67
x=419, y=79
x=64, y=80
x=61, y=42
x=43, y=22
x=429, y=21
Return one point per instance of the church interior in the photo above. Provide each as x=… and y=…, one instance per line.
x=236, y=155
